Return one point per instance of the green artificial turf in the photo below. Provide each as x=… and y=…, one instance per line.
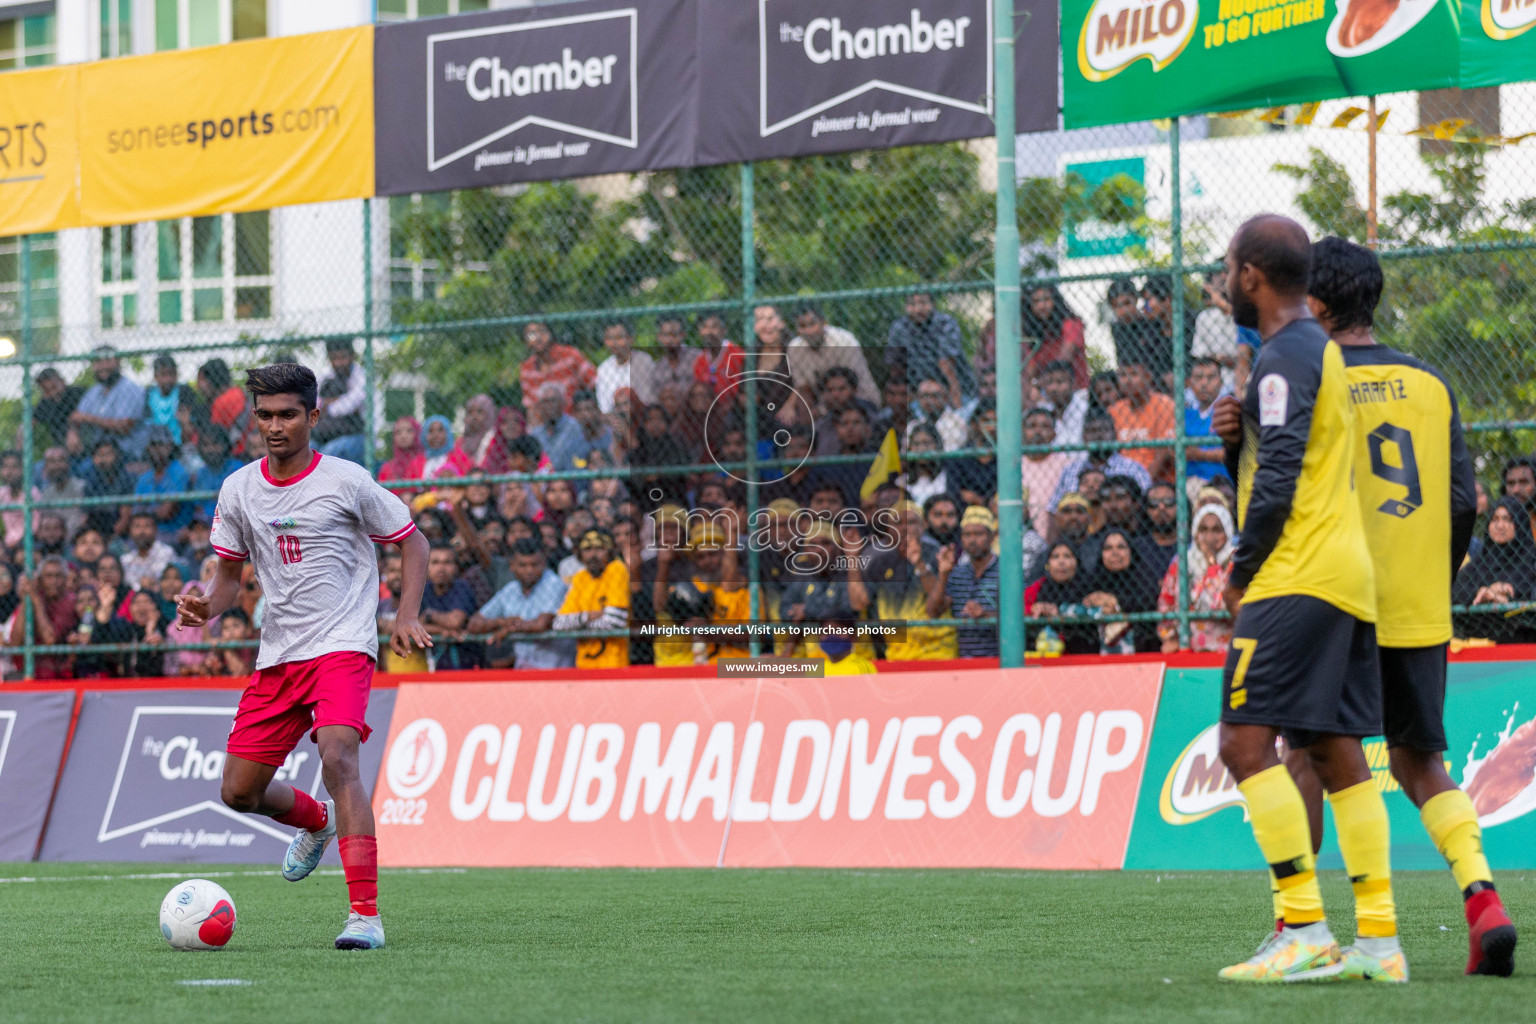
x=798, y=946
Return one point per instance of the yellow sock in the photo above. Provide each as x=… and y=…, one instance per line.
x=1279, y=820
x=1274, y=895
x=1365, y=839
x=1452, y=823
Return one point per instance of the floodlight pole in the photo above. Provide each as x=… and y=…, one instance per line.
x=1010, y=413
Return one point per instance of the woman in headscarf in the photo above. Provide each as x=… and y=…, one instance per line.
x=1060, y=592
x=406, y=461
x=1057, y=334
x=190, y=663
x=1210, y=566
x=1124, y=583
x=443, y=459
x=688, y=426
x=481, y=446
x=656, y=448
x=1502, y=572
x=146, y=623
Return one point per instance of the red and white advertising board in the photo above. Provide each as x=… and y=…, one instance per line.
x=959, y=768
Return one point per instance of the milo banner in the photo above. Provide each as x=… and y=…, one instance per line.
x=142, y=781
x=248, y=126
x=784, y=78
x=960, y=768
x=1129, y=60
x=535, y=94
x=32, y=731
x=1497, y=44
x=1191, y=815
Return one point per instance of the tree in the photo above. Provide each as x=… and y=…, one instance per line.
x=1466, y=308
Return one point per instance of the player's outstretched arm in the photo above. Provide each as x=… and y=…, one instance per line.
x=193, y=611
x=413, y=566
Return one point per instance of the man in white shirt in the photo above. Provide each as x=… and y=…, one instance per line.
x=819, y=347
x=1066, y=406
x=932, y=410
x=624, y=368
x=342, y=393
x=1042, y=473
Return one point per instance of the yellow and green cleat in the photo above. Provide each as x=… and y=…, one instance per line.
x=1360, y=965
x=1291, y=954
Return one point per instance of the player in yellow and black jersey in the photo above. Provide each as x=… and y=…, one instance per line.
x=1418, y=503
x=1303, y=659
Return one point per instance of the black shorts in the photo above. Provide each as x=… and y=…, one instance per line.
x=1304, y=667
x=1413, y=697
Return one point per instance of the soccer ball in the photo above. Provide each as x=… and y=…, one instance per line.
x=197, y=914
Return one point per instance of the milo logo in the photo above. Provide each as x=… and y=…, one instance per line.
x=1117, y=33
x=1505, y=19
x=1198, y=785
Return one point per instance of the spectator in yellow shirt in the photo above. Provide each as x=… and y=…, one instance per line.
x=598, y=599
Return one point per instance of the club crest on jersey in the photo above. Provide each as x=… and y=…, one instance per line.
x=1274, y=392
x=285, y=523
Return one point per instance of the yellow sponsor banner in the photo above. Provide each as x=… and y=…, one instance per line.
x=38, y=155
x=249, y=126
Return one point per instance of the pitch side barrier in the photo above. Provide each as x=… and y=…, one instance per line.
x=1089, y=762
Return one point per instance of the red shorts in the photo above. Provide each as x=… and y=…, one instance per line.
x=285, y=700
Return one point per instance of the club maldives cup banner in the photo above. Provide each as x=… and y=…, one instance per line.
x=33, y=727
x=1005, y=768
x=784, y=78
x=535, y=94
x=1191, y=815
x=1129, y=60
x=143, y=778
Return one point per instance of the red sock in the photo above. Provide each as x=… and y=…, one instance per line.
x=308, y=813
x=360, y=861
x=1479, y=902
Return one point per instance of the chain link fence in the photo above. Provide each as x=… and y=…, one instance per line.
x=706, y=364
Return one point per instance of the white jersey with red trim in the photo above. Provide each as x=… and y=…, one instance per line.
x=311, y=540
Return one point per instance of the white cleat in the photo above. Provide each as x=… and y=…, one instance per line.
x=306, y=849
x=361, y=933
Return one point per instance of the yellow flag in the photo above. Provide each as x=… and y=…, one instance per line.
x=886, y=465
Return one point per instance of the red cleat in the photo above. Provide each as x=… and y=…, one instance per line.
x=1491, y=935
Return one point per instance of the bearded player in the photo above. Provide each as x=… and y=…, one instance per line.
x=309, y=523
x=1415, y=481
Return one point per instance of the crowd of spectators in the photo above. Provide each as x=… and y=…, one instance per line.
x=652, y=525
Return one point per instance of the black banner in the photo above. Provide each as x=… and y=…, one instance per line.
x=783, y=78
x=534, y=94
x=33, y=726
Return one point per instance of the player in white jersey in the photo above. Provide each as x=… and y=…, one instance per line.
x=309, y=523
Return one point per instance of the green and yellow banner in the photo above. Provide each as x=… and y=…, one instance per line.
x=1497, y=44
x=1190, y=815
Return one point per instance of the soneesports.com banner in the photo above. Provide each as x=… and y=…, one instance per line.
x=535, y=94
x=248, y=126
x=1129, y=60
x=38, y=150
x=782, y=78
x=33, y=727
x=973, y=768
x=143, y=777
x=1191, y=815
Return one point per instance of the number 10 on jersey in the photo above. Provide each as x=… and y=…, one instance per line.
x=288, y=549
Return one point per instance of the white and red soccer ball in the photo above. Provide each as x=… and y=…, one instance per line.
x=197, y=914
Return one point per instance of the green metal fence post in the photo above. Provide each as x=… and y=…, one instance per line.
x=1010, y=421
x=1180, y=456
x=370, y=378
x=749, y=345
x=29, y=658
